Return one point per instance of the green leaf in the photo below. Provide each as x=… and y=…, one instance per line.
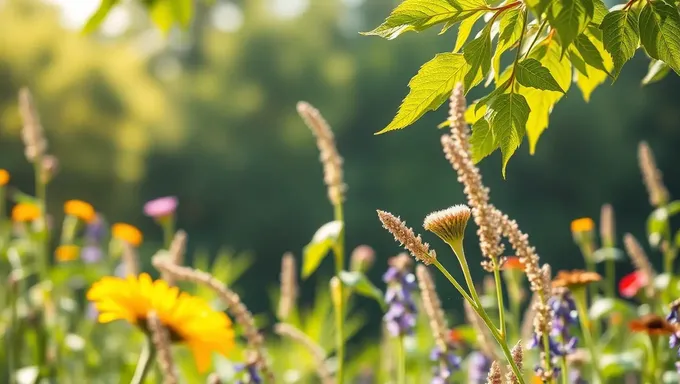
x=595, y=77
x=578, y=62
x=430, y=87
x=482, y=140
x=657, y=71
x=659, y=31
x=603, y=308
x=477, y=54
x=362, y=285
x=590, y=54
x=620, y=35
x=571, y=19
x=616, y=365
x=507, y=115
x=322, y=242
x=657, y=225
x=542, y=102
x=605, y=254
x=98, y=17
x=510, y=26
x=600, y=12
x=464, y=30
x=418, y=15
x=530, y=73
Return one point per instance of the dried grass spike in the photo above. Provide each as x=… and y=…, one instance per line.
x=161, y=341
x=518, y=358
x=651, y=176
x=640, y=260
x=607, y=226
x=35, y=144
x=289, y=287
x=330, y=158
x=494, y=376
x=433, y=306
x=314, y=349
x=232, y=300
x=407, y=238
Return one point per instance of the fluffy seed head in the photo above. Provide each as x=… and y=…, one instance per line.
x=494, y=376
x=651, y=175
x=449, y=224
x=518, y=358
x=607, y=226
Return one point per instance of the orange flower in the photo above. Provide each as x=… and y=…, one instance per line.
x=584, y=224
x=652, y=324
x=80, y=209
x=127, y=233
x=4, y=177
x=25, y=212
x=575, y=278
x=456, y=336
x=65, y=253
x=513, y=263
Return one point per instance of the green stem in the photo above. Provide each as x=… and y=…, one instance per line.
x=401, y=361
x=538, y=34
x=610, y=273
x=477, y=307
x=12, y=333
x=499, y=294
x=146, y=359
x=168, y=225
x=457, y=248
x=339, y=253
x=580, y=299
x=565, y=370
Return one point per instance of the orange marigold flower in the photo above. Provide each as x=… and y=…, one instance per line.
x=575, y=278
x=652, y=324
x=25, y=212
x=65, y=253
x=4, y=177
x=189, y=319
x=584, y=224
x=80, y=209
x=127, y=233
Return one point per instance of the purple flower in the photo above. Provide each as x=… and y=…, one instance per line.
x=674, y=318
x=561, y=342
x=478, y=368
x=251, y=373
x=161, y=207
x=94, y=232
x=447, y=362
x=91, y=254
x=400, y=318
x=91, y=312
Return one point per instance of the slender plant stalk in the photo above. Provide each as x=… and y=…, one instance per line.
x=565, y=370
x=401, y=361
x=499, y=294
x=168, y=226
x=12, y=334
x=610, y=273
x=339, y=252
x=146, y=359
x=477, y=307
x=580, y=300
x=457, y=248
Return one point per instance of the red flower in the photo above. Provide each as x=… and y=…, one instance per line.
x=630, y=284
x=513, y=263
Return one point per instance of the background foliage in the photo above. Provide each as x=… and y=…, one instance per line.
x=209, y=115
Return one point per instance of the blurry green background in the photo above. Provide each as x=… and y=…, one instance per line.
x=208, y=115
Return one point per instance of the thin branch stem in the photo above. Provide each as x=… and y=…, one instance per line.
x=339, y=252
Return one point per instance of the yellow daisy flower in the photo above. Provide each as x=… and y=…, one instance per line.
x=65, y=253
x=80, y=209
x=189, y=319
x=128, y=233
x=4, y=177
x=584, y=224
x=25, y=212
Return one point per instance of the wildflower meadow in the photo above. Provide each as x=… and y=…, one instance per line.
x=83, y=302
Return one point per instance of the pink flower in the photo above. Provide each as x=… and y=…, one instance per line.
x=630, y=284
x=161, y=207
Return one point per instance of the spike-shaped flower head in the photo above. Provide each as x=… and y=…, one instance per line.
x=562, y=343
x=449, y=224
x=673, y=319
x=400, y=318
x=448, y=362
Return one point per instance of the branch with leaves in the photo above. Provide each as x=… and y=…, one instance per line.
x=555, y=43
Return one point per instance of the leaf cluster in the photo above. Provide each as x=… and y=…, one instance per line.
x=549, y=44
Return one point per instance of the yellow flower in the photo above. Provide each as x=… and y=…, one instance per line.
x=25, y=212
x=80, y=209
x=584, y=224
x=65, y=253
x=189, y=319
x=4, y=177
x=127, y=232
